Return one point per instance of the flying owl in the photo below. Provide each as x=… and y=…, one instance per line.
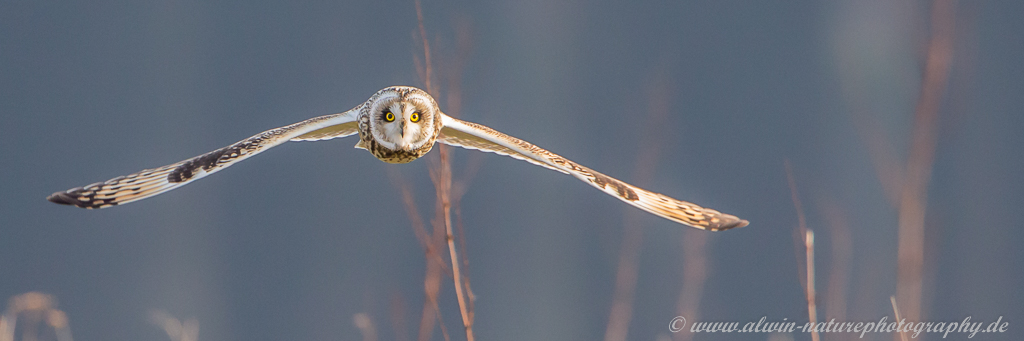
x=397, y=124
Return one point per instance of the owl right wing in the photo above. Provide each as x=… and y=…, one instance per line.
x=150, y=182
x=470, y=135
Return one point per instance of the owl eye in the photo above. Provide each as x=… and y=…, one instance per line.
x=415, y=117
x=388, y=116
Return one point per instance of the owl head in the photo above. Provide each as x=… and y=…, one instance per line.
x=403, y=118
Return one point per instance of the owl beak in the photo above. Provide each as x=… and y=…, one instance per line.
x=401, y=128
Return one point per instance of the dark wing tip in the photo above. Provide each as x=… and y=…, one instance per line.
x=736, y=224
x=71, y=198
x=65, y=198
x=728, y=222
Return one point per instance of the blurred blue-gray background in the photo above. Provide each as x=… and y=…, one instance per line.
x=292, y=244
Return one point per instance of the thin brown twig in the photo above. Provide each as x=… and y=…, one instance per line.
x=409, y=200
x=695, y=268
x=177, y=330
x=632, y=240
x=795, y=196
x=453, y=75
x=456, y=65
x=440, y=322
x=432, y=282
x=365, y=324
x=465, y=259
x=801, y=227
x=435, y=264
x=887, y=169
x=896, y=311
x=35, y=308
x=442, y=183
x=431, y=312
x=807, y=236
x=625, y=280
x=398, y=322
x=841, y=245
x=418, y=227
x=442, y=178
x=426, y=49
x=924, y=138
x=812, y=305
x=467, y=318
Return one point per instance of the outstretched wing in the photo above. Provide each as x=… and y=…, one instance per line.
x=150, y=182
x=474, y=136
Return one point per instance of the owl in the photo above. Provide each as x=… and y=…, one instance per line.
x=397, y=124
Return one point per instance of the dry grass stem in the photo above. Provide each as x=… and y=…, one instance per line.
x=842, y=251
x=914, y=194
x=176, y=330
x=440, y=322
x=366, y=326
x=419, y=228
x=896, y=311
x=800, y=233
x=426, y=49
x=807, y=236
x=442, y=177
x=442, y=234
x=37, y=312
x=625, y=281
x=465, y=259
x=695, y=268
x=632, y=240
x=812, y=305
x=887, y=167
x=398, y=322
x=430, y=312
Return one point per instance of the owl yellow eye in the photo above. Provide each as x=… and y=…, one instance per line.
x=388, y=116
x=415, y=117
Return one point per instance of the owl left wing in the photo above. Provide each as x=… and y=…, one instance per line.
x=470, y=135
x=150, y=182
